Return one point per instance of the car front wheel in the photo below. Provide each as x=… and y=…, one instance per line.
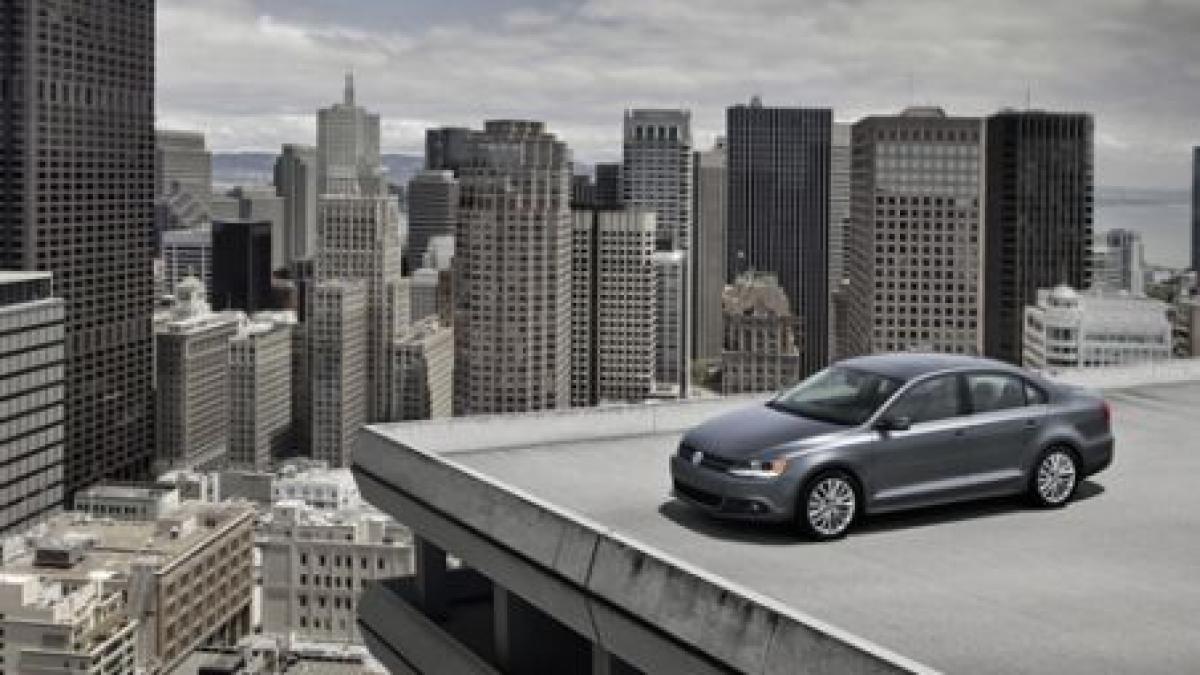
x=1055, y=477
x=827, y=506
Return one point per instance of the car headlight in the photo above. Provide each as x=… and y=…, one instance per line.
x=761, y=468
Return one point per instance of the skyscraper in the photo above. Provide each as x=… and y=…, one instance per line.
x=1196, y=208
x=424, y=371
x=260, y=391
x=670, y=340
x=708, y=268
x=182, y=179
x=512, y=272
x=80, y=88
x=358, y=240
x=257, y=204
x=446, y=148
x=1039, y=182
x=612, y=306
x=241, y=273
x=296, y=185
x=432, y=211
x=608, y=185
x=31, y=438
x=348, y=158
x=335, y=360
x=915, y=234
x=839, y=225
x=779, y=172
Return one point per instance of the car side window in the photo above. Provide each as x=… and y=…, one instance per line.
x=936, y=399
x=995, y=391
x=1034, y=395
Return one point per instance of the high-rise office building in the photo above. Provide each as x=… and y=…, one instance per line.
x=424, y=371
x=608, y=185
x=358, y=239
x=192, y=369
x=1118, y=262
x=657, y=172
x=763, y=338
x=915, y=236
x=182, y=179
x=839, y=226
x=260, y=391
x=348, y=158
x=1038, y=215
x=31, y=437
x=335, y=359
x=257, y=204
x=241, y=273
x=446, y=148
x=512, y=272
x=1196, y=208
x=432, y=212
x=670, y=340
x=296, y=186
x=612, y=306
x=187, y=253
x=708, y=267
x=79, y=87
x=779, y=173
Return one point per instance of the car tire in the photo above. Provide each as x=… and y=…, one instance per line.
x=827, y=506
x=1054, y=478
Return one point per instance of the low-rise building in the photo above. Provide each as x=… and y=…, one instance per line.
x=128, y=502
x=316, y=562
x=762, y=336
x=52, y=627
x=1094, y=329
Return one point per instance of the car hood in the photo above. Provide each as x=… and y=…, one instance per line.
x=747, y=432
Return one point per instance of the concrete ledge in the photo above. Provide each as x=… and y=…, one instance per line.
x=616, y=592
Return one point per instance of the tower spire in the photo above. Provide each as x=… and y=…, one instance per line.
x=349, y=96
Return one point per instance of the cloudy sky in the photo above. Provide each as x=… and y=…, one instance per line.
x=251, y=72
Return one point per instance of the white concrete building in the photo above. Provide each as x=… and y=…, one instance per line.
x=315, y=564
x=335, y=359
x=348, y=158
x=260, y=390
x=613, y=306
x=182, y=179
x=187, y=253
x=316, y=485
x=512, y=272
x=192, y=380
x=424, y=371
x=51, y=627
x=670, y=340
x=31, y=399
x=1094, y=329
x=128, y=502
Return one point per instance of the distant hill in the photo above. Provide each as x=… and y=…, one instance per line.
x=256, y=168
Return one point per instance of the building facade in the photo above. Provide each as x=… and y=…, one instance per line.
x=762, y=336
x=446, y=148
x=432, y=212
x=424, y=371
x=81, y=89
x=670, y=338
x=241, y=267
x=31, y=396
x=512, y=272
x=335, y=361
x=296, y=186
x=708, y=258
x=260, y=392
x=779, y=173
x=1118, y=261
x=612, y=306
x=192, y=371
x=916, y=234
x=182, y=180
x=1094, y=329
x=348, y=158
x=257, y=204
x=1196, y=209
x=187, y=253
x=657, y=172
x=839, y=234
x=1039, y=183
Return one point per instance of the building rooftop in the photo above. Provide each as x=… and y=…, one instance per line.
x=1106, y=585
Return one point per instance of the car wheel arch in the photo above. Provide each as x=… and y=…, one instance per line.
x=860, y=488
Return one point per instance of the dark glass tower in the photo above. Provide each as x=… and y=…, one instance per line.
x=241, y=277
x=1038, y=217
x=778, y=203
x=77, y=199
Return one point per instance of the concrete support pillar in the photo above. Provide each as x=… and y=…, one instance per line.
x=605, y=663
x=529, y=641
x=431, y=578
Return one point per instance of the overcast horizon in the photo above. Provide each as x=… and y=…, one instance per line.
x=253, y=77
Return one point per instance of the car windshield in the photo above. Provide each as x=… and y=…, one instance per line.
x=839, y=395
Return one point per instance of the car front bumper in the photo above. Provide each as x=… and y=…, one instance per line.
x=726, y=496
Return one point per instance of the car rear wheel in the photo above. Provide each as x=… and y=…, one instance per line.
x=827, y=506
x=1055, y=477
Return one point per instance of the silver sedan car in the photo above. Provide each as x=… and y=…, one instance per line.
x=890, y=432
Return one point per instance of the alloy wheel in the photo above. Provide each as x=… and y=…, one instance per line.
x=831, y=505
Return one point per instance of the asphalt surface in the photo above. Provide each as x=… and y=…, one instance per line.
x=1110, y=584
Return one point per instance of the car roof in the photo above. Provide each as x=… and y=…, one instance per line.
x=908, y=365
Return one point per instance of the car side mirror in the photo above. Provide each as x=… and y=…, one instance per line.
x=889, y=423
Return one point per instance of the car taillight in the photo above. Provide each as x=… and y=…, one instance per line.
x=1106, y=413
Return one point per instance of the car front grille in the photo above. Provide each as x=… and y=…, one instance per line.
x=708, y=461
x=697, y=495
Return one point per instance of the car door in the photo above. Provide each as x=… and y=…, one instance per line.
x=1006, y=417
x=920, y=464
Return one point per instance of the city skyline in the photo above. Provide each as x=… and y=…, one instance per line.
x=566, y=63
